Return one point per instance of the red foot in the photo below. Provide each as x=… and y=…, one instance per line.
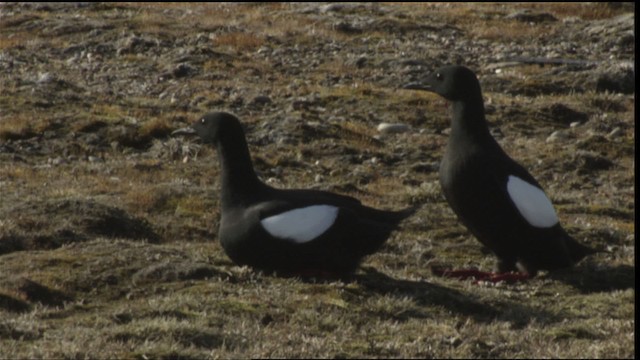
x=510, y=277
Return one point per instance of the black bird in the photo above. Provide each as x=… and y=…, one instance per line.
x=500, y=203
x=294, y=232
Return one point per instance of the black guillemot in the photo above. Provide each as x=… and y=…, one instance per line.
x=294, y=232
x=496, y=198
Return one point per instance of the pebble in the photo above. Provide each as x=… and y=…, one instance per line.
x=45, y=78
x=388, y=128
x=559, y=135
x=617, y=132
x=56, y=161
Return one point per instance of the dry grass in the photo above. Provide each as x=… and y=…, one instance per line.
x=485, y=21
x=179, y=296
x=7, y=42
x=239, y=41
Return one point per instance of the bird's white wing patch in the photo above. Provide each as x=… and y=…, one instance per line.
x=301, y=225
x=532, y=203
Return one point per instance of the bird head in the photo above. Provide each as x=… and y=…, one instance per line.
x=210, y=127
x=454, y=83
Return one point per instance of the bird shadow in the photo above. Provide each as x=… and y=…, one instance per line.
x=592, y=278
x=454, y=301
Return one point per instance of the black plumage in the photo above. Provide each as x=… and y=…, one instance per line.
x=254, y=229
x=496, y=198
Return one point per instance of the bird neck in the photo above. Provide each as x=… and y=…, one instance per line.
x=469, y=123
x=239, y=180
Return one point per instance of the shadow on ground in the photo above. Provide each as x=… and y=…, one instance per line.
x=589, y=278
x=455, y=301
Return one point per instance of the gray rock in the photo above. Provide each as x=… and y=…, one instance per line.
x=615, y=133
x=387, y=128
x=559, y=136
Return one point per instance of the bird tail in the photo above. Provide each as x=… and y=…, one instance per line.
x=381, y=223
x=393, y=217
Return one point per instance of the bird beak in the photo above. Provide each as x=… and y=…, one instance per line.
x=184, y=131
x=417, y=86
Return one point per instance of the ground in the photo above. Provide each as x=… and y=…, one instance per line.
x=108, y=225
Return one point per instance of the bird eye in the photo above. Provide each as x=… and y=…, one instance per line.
x=202, y=120
x=439, y=76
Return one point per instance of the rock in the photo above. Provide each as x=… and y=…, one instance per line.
x=617, y=132
x=45, y=78
x=388, y=128
x=559, y=136
x=56, y=161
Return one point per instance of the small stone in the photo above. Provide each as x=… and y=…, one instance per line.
x=575, y=124
x=388, y=128
x=56, y=161
x=557, y=136
x=45, y=78
x=617, y=132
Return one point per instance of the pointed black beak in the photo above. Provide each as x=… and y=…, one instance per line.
x=184, y=131
x=417, y=86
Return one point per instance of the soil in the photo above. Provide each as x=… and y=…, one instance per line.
x=108, y=225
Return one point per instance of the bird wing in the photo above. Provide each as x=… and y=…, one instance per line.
x=302, y=224
x=525, y=194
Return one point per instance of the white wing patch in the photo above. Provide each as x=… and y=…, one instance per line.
x=301, y=225
x=532, y=203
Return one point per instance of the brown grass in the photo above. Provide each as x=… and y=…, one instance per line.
x=239, y=41
x=184, y=298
